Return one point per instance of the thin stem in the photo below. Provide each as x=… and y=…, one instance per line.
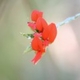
x=68, y=20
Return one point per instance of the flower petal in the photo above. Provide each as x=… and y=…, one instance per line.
x=34, y=43
x=35, y=15
x=41, y=24
x=37, y=57
x=32, y=25
x=45, y=33
x=40, y=46
x=52, y=32
x=38, y=34
x=45, y=43
x=37, y=44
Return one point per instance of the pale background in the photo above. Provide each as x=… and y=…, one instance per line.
x=62, y=58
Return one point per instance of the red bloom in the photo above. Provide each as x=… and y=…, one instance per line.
x=37, y=45
x=50, y=33
x=44, y=34
x=41, y=24
x=37, y=57
x=35, y=15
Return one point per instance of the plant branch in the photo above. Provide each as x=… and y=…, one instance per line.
x=68, y=20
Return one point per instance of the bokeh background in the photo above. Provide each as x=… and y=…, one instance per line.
x=62, y=58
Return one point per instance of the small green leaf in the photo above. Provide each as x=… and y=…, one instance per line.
x=28, y=49
x=29, y=36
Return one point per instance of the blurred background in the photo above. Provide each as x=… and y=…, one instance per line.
x=62, y=58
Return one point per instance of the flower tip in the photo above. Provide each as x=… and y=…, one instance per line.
x=31, y=25
x=34, y=61
x=36, y=14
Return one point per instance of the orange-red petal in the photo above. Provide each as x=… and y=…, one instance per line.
x=45, y=33
x=34, y=43
x=37, y=57
x=52, y=32
x=40, y=46
x=45, y=43
x=35, y=15
x=41, y=24
x=37, y=44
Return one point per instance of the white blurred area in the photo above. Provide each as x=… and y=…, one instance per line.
x=65, y=50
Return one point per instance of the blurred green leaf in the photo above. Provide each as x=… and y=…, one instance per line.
x=28, y=36
x=28, y=49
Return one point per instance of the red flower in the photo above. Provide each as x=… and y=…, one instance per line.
x=41, y=24
x=37, y=57
x=43, y=36
x=35, y=15
x=50, y=33
x=37, y=45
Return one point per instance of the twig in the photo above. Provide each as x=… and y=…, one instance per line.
x=68, y=20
